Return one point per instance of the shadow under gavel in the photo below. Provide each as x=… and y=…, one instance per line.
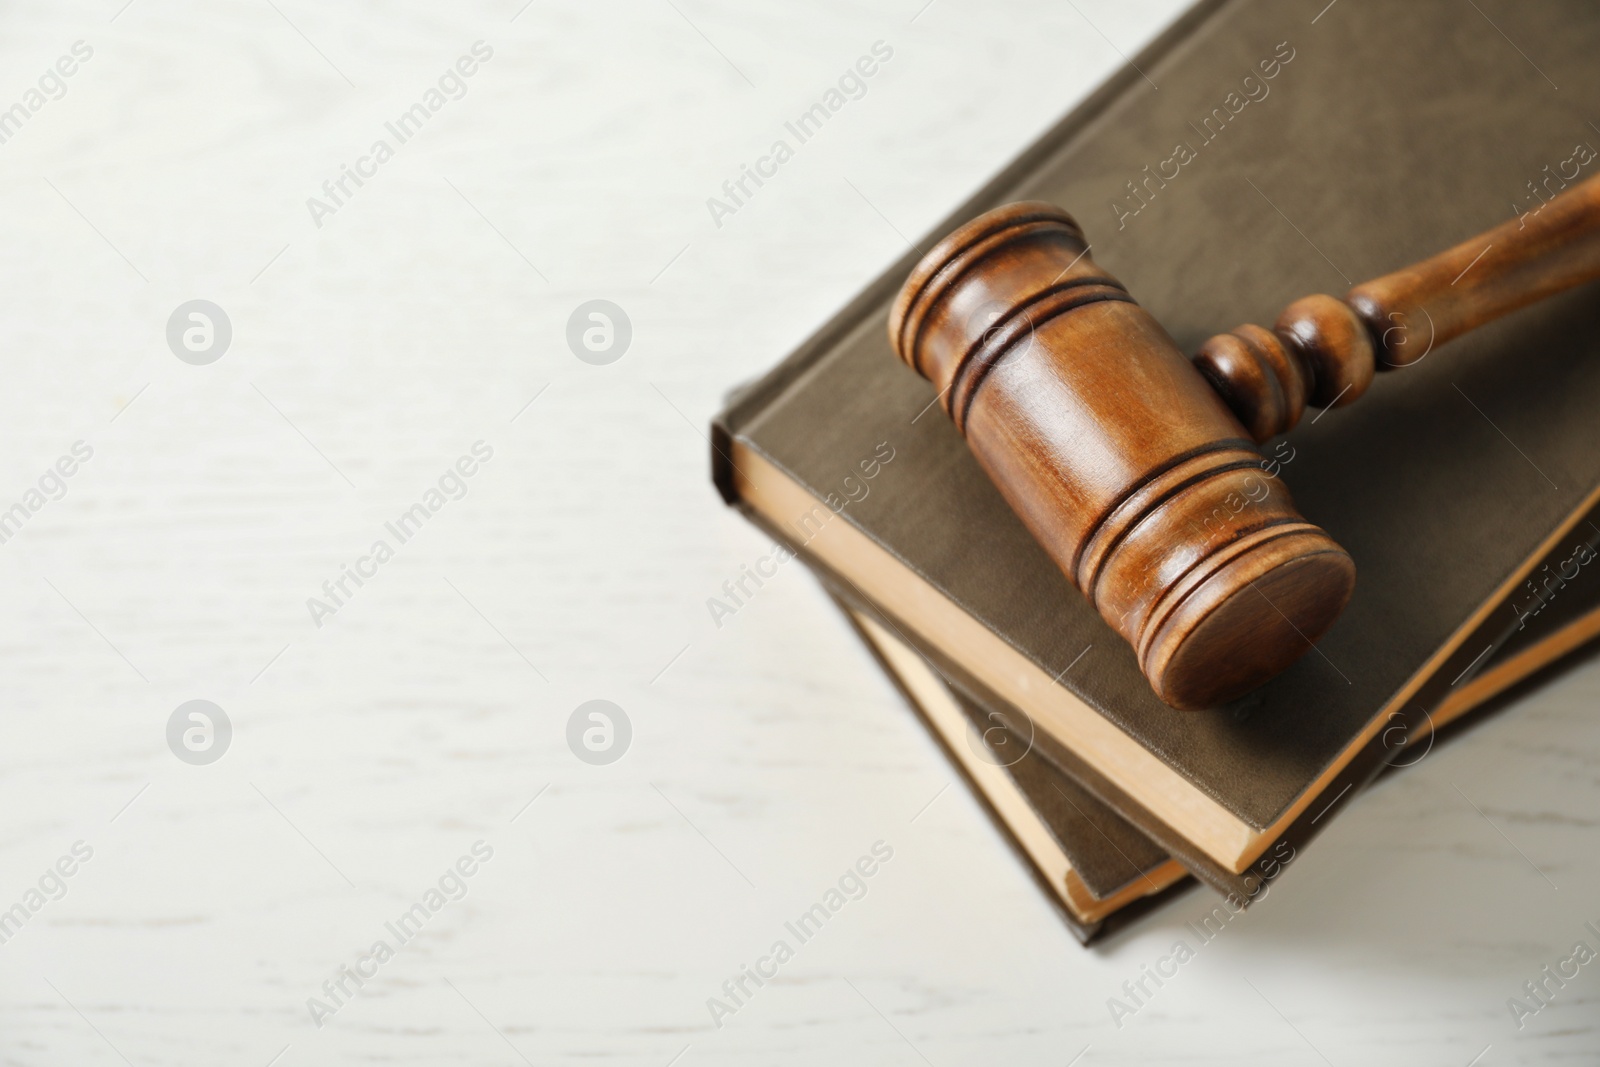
x=1128, y=462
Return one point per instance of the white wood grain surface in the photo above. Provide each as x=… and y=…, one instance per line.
x=767, y=755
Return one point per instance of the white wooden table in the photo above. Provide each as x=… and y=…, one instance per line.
x=428, y=312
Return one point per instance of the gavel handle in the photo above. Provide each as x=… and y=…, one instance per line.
x=1323, y=351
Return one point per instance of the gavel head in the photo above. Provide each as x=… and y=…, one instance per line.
x=1118, y=455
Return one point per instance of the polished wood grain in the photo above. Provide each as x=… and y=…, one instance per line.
x=1322, y=351
x=1118, y=456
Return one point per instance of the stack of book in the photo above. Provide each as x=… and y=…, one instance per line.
x=1281, y=156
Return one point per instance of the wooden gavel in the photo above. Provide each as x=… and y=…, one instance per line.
x=1138, y=471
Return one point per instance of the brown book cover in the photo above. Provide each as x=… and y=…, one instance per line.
x=1318, y=154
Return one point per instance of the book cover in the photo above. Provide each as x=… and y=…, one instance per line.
x=1448, y=484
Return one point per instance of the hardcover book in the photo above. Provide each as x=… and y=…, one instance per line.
x=1309, y=155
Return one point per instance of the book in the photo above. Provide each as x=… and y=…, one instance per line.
x=1448, y=484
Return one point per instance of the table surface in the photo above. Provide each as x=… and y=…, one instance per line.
x=379, y=739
